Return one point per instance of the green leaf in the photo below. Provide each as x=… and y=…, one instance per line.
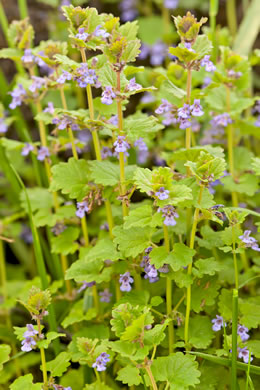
x=104, y=172
x=5, y=351
x=178, y=369
x=49, y=337
x=256, y=165
x=203, y=292
x=141, y=216
x=25, y=383
x=202, y=45
x=135, y=298
x=211, y=239
x=131, y=51
x=71, y=178
x=168, y=87
x=59, y=365
x=12, y=54
x=143, y=179
x=132, y=241
x=181, y=256
x=248, y=29
x=183, y=54
x=206, y=267
x=65, y=243
x=88, y=271
x=159, y=256
x=225, y=304
x=156, y=335
x=77, y=314
x=147, y=33
x=97, y=386
x=40, y=198
x=246, y=184
x=254, y=347
x=103, y=250
x=141, y=125
x=129, y=375
x=200, y=332
x=65, y=60
x=250, y=314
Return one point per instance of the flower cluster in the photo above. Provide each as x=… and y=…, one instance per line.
x=250, y=242
x=108, y=95
x=126, y=280
x=162, y=193
x=85, y=76
x=121, y=145
x=18, y=94
x=82, y=208
x=151, y=272
x=65, y=122
x=101, y=361
x=169, y=214
x=29, y=341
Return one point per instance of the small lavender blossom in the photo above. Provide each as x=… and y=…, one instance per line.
x=82, y=34
x=195, y=126
x=126, y=280
x=257, y=122
x=121, y=145
x=85, y=285
x=171, y=4
x=169, y=119
x=188, y=46
x=108, y=95
x=101, y=32
x=243, y=353
x=140, y=144
x=28, y=57
x=30, y=332
x=49, y=108
x=133, y=86
x=169, y=215
x=164, y=107
x=128, y=10
x=43, y=152
x=101, y=361
x=209, y=66
x=113, y=120
x=221, y=120
x=242, y=332
x=162, y=193
x=144, y=51
x=196, y=109
x=82, y=208
x=26, y=235
x=184, y=112
x=85, y=76
x=29, y=338
x=147, y=98
x=158, y=53
x=250, y=242
x=218, y=323
x=151, y=273
x=105, y=296
x=38, y=83
x=233, y=74
x=18, y=94
x=206, y=82
x=184, y=123
x=27, y=149
x=65, y=76
x=3, y=126
x=257, y=107
x=106, y=152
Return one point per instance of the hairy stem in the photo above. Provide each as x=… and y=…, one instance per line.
x=192, y=241
x=235, y=258
x=151, y=377
x=188, y=89
x=234, y=340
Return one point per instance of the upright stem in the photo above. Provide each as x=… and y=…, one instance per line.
x=121, y=154
x=234, y=258
x=151, y=377
x=231, y=16
x=97, y=146
x=192, y=241
x=43, y=359
x=168, y=293
x=213, y=13
x=234, y=340
x=23, y=9
x=188, y=130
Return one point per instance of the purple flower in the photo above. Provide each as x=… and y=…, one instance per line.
x=209, y=66
x=30, y=332
x=221, y=120
x=188, y=46
x=101, y=32
x=133, y=86
x=82, y=34
x=184, y=112
x=171, y=4
x=38, y=83
x=233, y=74
x=250, y=242
x=113, y=120
x=196, y=109
x=26, y=235
x=128, y=10
x=106, y=152
x=43, y=152
x=169, y=119
x=244, y=354
x=3, y=126
x=28, y=57
x=164, y=107
x=151, y=272
x=206, y=82
x=63, y=77
x=108, y=95
x=140, y=144
x=184, y=123
x=257, y=107
x=169, y=215
x=82, y=207
x=218, y=323
x=145, y=51
x=29, y=338
x=242, y=332
x=158, y=53
x=147, y=98
x=65, y=122
x=101, y=361
x=105, y=296
x=257, y=122
x=85, y=76
x=126, y=280
x=18, y=94
x=162, y=193
x=27, y=149
x=49, y=108
x=121, y=145
x=195, y=126
x=85, y=285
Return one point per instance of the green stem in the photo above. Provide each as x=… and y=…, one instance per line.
x=3, y=271
x=248, y=370
x=188, y=89
x=151, y=377
x=23, y=9
x=212, y=14
x=95, y=297
x=235, y=258
x=192, y=241
x=231, y=16
x=234, y=340
x=169, y=293
x=43, y=359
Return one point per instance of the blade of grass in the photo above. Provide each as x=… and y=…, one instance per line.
x=248, y=29
x=23, y=9
x=39, y=260
x=234, y=340
x=213, y=11
x=248, y=370
x=5, y=167
x=226, y=362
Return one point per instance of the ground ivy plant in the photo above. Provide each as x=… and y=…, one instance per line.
x=129, y=219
